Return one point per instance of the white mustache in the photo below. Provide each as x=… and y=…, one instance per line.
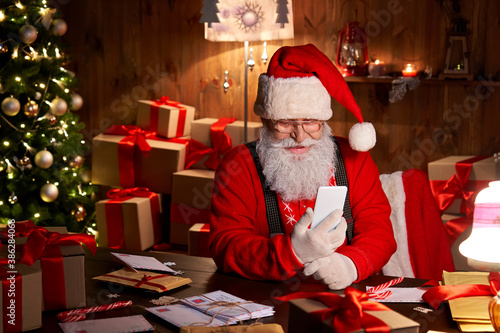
x=291, y=143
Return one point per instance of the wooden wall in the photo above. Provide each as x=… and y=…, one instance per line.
x=126, y=50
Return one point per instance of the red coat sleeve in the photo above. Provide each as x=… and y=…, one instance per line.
x=373, y=243
x=239, y=234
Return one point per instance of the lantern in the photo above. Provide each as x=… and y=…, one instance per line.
x=352, y=53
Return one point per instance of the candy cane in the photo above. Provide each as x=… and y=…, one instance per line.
x=372, y=291
x=80, y=314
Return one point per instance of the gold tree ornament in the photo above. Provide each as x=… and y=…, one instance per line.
x=79, y=213
x=49, y=192
x=30, y=109
x=11, y=106
x=44, y=159
x=28, y=34
x=76, y=161
x=58, y=106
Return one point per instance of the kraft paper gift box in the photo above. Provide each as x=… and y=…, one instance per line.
x=483, y=169
x=190, y=202
x=62, y=265
x=153, y=172
x=135, y=222
x=201, y=132
x=168, y=118
x=21, y=298
x=458, y=259
x=198, y=240
x=301, y=319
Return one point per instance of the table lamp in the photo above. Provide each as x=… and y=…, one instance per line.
x=245, y=21
x=482, y=248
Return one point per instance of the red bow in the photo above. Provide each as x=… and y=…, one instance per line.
x=348, y=312
x=436, y=295
x=154, y=115
x=446, y=192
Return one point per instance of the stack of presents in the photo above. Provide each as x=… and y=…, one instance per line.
x=160, y=173
x=42, y=269
x=455, y=182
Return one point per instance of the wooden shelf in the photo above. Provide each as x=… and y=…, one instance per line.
x=388, y=79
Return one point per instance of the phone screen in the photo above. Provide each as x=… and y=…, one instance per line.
x=328, y=199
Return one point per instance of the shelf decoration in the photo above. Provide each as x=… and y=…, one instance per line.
x=352, y=52
x=376, y=68
x=410, y=70
x=400, y=86
x=457, y=55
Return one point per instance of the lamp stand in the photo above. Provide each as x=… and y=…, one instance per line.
x=245, y=114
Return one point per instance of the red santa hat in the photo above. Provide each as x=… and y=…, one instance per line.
x=299, y=83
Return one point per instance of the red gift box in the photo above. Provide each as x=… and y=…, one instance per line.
x=129, y=219
x=20, y=297
x=198, y=240
x=127, y=156
x=191, y=197
x=169, y=119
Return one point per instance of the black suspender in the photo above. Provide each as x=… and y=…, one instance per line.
x=272, y=208
x=271, y=200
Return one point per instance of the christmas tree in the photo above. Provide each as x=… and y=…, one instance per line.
x=43, y=174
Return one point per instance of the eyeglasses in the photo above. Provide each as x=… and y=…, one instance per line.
x=288, y=126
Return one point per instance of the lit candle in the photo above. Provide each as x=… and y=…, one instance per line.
x=410, y=70
x=376, y=68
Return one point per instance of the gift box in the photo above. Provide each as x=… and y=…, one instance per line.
x=451, y=222
x=20, y=297
x=456, y=180
x=134, y=217
x=144, y=279
x=61, y=259
x=303, y=316
x=191, y=196
x=136, y=159
x=198, y=240
x=167, y=118
x=206, y=129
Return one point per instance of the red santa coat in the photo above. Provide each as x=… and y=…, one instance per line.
x=239, y=234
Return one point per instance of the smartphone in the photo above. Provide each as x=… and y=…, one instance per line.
x=328, y=199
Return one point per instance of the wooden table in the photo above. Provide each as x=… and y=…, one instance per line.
x=205, y=277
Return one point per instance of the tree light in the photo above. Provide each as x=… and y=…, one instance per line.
x=37, y=215
x=19, y=5
x=2, y=16
x=6, y=143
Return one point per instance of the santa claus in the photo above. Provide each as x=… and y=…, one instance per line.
x=265, y=191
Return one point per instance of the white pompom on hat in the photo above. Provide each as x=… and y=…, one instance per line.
x=299, y=83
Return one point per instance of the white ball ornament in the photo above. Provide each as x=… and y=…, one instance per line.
x=58, y=106
x=28, y=34
x=59, y=27
x=49, y=192
x=44, y=159
x=11, y=106
x=76, y=102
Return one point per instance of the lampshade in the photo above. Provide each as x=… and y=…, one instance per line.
x=244, y=20
x=482, y=248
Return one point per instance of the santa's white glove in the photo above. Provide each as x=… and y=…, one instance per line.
x=311, y=244
x=337, y=271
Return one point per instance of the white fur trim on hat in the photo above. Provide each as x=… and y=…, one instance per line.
x=362, y=136
x=292, y=98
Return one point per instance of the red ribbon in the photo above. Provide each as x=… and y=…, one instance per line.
x=8, y=296
x=144, y=280
x=134, y=137
x=348, y=312
x=221, y=143
x=45, y=245
x=436, y=295
x=154, y=115
x=458, y=187
x=114, y=218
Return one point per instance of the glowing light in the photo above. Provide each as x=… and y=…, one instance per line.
x=60, y=132
x=27, y=57
x=10, y=175
x=58, y=55
x=6, y=143
x=42, y=85
x=19, y=5
x=2, y=16
x=56, y=183
x=66, y=90
x=45, y=52
x=75, y=174
x=82, y=142
x=1, y=202
x=66, y=169
x=37, y=215
x=18, y=79
x=22, y=125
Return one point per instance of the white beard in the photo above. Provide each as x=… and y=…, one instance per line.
x=297, y=177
